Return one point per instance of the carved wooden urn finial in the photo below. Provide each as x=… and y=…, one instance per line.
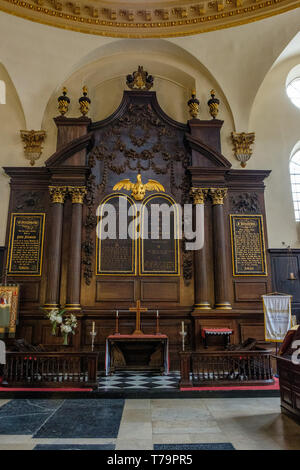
x=193, y=105
x=213, y=104
x=84, y=102
x=63, y=102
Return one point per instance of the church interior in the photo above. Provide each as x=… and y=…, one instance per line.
x=119, y=331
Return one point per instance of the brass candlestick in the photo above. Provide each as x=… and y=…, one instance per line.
x=157, y=323
x=183, y=334
x=117, y=323
x=93, y=333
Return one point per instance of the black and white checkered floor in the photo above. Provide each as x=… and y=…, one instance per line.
x=139, y=380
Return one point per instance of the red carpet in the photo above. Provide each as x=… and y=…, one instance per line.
x=16, y=389
x=274, y=386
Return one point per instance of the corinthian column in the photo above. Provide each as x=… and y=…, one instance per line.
x=74, y=265
x=220, y=259
x=200, y=258
x=57, y=194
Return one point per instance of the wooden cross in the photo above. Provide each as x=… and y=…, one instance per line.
x=138, y=309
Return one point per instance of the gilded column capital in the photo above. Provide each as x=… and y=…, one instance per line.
x=218, y=195
x=77, y=193
x=58, y=194
x=199, y=195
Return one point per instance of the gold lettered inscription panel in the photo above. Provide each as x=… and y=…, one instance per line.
x=26, y=243
x=248, y=246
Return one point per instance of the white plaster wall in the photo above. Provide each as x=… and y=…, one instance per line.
x=11, y=151
x=277, y=124
x=245, y=66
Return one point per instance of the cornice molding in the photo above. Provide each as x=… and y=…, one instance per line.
x=143, y=19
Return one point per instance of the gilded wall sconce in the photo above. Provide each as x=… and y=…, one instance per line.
x=33, y=141
x=242, y=146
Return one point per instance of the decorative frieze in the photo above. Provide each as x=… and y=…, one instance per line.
x=126, y=19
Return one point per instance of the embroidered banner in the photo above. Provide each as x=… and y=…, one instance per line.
x=277, y=313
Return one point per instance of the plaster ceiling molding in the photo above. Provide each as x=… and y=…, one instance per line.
x=142, y=19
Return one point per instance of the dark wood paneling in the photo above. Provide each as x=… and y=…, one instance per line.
x=160, y=290
x=252, y=330
x=30, y=291
x=115, y=290
x=249, y=291
x=289, y=379
x=2, y=252
x=283, y=263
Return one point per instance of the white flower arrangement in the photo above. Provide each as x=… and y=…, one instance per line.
x=68, y=324
x=56, y=318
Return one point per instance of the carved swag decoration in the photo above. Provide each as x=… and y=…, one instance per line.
x=245, y=203
x=137, y=141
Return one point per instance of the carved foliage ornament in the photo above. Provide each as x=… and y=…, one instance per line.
x=58, y=194
x=199, y=195
x=140, y=80
x=30, y=201
x=77, y=194
x=245, y=203
x=242, y=146
x=162, y=150
x=218, y=195
x=33, y=141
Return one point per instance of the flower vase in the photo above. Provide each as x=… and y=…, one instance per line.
x=66, y=339
x=54, y=328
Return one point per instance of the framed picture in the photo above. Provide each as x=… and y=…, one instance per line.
x=9, y=301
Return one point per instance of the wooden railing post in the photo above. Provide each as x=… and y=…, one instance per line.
x=92, y=370
x=185, y=369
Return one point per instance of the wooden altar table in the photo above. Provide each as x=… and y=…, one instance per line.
x=128, y=352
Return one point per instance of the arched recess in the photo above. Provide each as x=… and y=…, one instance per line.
x=12, y=119
x=176, y=73
x=276, y=123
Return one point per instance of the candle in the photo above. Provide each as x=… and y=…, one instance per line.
x=117, y=313
x=157, y=313
x=182, y=326
x=93, y=329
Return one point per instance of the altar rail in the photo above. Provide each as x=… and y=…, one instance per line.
x=51, y=369
x=220, y=368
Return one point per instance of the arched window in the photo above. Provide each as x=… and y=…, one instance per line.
x=293, y=91
x=2, y=92
x=292, y=85
x=295, y=180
